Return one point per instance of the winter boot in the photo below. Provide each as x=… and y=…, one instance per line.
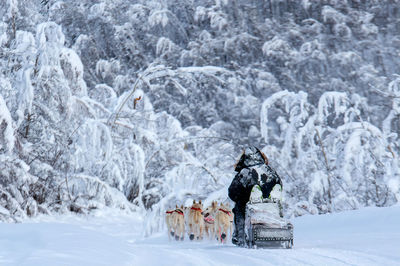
x=238, y=237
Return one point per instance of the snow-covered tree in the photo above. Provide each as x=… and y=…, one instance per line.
x=337, y=160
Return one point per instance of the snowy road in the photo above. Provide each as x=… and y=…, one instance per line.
x=365, y=237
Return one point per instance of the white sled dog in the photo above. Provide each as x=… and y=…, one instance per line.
x=178, y=223
x=223, y=222
x=209, y=219
x=168, y=221
x=196, y=221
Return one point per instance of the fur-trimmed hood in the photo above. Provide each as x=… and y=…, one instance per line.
x=251, y=156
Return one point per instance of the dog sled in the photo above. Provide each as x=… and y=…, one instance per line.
x=265, y=226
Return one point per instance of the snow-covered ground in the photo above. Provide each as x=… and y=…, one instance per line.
x=370, y=236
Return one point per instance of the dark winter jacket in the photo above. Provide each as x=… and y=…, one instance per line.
x=252, y=170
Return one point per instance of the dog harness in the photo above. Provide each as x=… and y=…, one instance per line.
x=179, y=212
x=196, y=209
x=169, y=212
x=226, y=212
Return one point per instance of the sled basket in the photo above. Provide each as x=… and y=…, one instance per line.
x=265, y=227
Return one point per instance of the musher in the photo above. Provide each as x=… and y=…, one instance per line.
x=253, y=169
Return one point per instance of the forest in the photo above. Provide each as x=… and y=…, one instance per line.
x=137, y=105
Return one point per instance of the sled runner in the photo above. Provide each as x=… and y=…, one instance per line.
x=265, y=225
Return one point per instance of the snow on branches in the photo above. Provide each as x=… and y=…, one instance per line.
x=137, y=106
x=7, y=138
x=332, y=147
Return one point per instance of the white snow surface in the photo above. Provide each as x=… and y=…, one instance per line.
x=369, y=236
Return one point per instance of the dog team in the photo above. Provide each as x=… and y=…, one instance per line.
x=214, y=221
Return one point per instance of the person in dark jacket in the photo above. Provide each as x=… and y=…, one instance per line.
x=253, y=169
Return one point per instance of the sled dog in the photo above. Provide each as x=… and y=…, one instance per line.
x=223, y=222
x=209, y=218
x=178, y=223
x=196, y=221
x=168, y=221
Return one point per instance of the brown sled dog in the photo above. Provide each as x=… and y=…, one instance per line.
x=209, y=218
x=178, y=223
x=196, y=221
x=223, y=222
